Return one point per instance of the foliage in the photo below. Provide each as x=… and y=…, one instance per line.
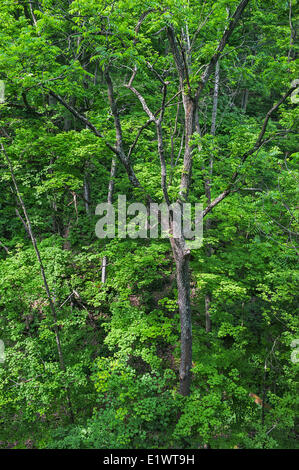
x=121, y=339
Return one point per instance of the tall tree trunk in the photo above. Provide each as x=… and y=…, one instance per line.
x=86, y=192
x=181, y=257
x=208, y=296
x=293, y=31
x=109, y=200
x=208, y=314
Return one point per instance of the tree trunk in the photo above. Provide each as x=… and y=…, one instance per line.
x=181, y=257
x=208, y=316
x=208, y=296
x=86, y=191
x=109, y=200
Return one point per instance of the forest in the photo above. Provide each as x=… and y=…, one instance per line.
x=117, y=332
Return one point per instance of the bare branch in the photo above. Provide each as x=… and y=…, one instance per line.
x=216, y=201
x=226, y=35
x=202, y=24
x=114, y=110
x=158, y=122
x=4, y=247
x=121, y=155
x=82, y=118
x=140, y=21
x=137, y=137
x=141, y=99
x=259, y=142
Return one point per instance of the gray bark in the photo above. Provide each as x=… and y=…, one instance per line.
x=208, y=296
x=109, y=200
x=181, y=256
x=86, y=191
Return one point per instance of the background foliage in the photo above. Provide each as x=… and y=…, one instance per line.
x=120, y=339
